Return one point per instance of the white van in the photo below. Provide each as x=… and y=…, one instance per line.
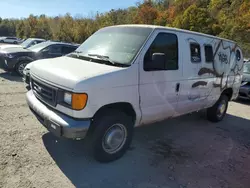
x=130, y=75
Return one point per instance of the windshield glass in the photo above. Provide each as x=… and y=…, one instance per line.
x=38, y=47
x=246, y=68
x=119, y=44
x=26, y=43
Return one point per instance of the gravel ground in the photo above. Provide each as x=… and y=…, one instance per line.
x=184, y=152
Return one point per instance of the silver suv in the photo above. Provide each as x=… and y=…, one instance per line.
x=11, y=40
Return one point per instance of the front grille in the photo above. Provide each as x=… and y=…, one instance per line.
x=44, y=92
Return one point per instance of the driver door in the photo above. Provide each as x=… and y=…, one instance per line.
x=159, y=88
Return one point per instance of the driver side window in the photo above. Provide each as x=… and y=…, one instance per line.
x=53, y=49
x=166, y=43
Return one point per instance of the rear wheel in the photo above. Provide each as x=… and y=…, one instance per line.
x=112, y=135
x=1, y=41
x=20, y=67
x=15, y=42
x=218, y=111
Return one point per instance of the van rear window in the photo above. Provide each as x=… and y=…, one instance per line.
x=238, y=55
x=209, y=53
x=195, y=52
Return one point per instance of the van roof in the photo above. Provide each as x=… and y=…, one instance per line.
x=172, y=29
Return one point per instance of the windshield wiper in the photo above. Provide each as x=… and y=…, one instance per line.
x=103, y=57
x=107, y=59
x=77, y=53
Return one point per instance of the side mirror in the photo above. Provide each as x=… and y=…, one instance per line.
x=158, y=62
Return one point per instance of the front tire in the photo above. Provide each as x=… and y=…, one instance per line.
x=20, y=67
x=112, y=135
x=218, y=111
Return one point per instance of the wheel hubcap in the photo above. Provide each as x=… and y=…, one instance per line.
x=114, y=138
x=221, y=109
x=21, y=68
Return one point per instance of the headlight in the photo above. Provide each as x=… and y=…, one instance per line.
x=76, y=100
x=8, y=55
x=67, y=98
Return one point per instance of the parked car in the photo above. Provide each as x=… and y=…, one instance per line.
x=245, y=86
x=127, y=76
x=11, y=40
x=246, y=60
x=15, y=59
x=25, y=44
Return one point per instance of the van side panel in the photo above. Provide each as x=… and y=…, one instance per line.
x=194, y=90
x=226, y=69
x=206, y=78
x=210, y=65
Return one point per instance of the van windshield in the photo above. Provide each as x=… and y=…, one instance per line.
x=119, y=44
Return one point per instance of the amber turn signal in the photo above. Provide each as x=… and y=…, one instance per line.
x=79, y=101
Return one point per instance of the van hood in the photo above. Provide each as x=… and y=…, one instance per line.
x=67, y=72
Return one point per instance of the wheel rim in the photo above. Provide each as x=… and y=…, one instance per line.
x=114, y=138
x=221, y=109
x=21, y=68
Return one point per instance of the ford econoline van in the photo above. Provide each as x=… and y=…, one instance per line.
x=131, y=75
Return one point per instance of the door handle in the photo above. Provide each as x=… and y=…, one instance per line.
x=177, y=88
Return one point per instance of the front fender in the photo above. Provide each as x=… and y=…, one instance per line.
x=25, y=58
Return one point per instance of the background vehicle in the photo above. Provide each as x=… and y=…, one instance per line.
x=17, y=58
x=246, y=61
x=31, y=42
x=25, y=44
x=245, y=86
x=11, y=40
x=130, y=75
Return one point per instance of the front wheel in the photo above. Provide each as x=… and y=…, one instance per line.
x=112, y=135
x=218, y=111
x=20, y=67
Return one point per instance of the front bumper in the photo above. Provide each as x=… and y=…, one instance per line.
x=57, y=123
x=244, y=92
